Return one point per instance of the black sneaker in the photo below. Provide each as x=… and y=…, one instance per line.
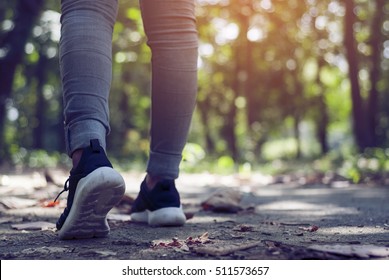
x=159, y=207
x=94, y=188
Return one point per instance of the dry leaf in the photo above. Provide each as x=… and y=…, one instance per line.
x=202, y=239
x=271, y=244
x=160, y=244
x=224, y=250
x=223, y=200
x=189, y=213
x=182, y=244
x=105, y=253
x=46, y=250
x=243, y=228
x=50, y=203
x=34, y=226
x=310, y=229
x=175, y=243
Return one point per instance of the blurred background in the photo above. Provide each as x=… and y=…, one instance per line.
x=283, y=84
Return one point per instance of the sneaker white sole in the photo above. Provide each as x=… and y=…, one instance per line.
x=169, y=216
x=95, y=196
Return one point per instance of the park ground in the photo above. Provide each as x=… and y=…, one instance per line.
x=241, y=216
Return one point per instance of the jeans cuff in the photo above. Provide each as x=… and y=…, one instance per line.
x=164, y=165
x=78, y=135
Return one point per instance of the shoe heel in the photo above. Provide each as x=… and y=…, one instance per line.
x=169, y=216
x=95, y=196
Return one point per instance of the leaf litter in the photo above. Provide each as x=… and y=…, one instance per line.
x=184, y=244
x=199, y=245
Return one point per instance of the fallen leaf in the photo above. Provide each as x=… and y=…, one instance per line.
x=161, y=244
x=294, y=224
x=310, y=229
x=271, y=244
x=223, y=250
x=51, y=177
x=189, y=215
x=175, y=243
x=183, y=244
x=158, y=244
x=223, y=200
x=362, y=251
x=34, y=226
x=105, y=253
x=311, y=179
x=125, y=204
x=46, y=250
x=272, y=223
x=50, y=203
x=92, y=253
x=202, y=239
x=183, y=248
x=243, y=228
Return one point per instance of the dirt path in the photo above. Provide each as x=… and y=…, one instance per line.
x=257, y=218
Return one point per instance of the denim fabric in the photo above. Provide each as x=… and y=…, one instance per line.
x=86, y=70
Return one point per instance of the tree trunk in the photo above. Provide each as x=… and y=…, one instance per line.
x=39, y=130
x=14, y=42
x=322, y=118
x=204, y=109
x=297, y=136
x=361, y=133
x=229, y=127
x=376, y=45
x=322, y=125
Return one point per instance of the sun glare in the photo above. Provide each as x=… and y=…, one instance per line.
x=225, y=31
x=255, y=34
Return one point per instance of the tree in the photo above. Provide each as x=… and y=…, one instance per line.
x=365, y=111
x=13, y=44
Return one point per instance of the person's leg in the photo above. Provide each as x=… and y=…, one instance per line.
x=85, y=60
x=170, y=27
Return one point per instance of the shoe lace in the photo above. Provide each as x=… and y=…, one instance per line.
x=65, y=189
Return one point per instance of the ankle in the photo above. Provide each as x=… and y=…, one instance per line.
x=76, y=156
x=151, y=181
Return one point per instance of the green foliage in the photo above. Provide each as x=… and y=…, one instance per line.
x=367, y=165
x=273, y=84
x=38, y=158
x=226, y=163
x=193, y=154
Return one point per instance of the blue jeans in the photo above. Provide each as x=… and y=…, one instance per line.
x=86, y=71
